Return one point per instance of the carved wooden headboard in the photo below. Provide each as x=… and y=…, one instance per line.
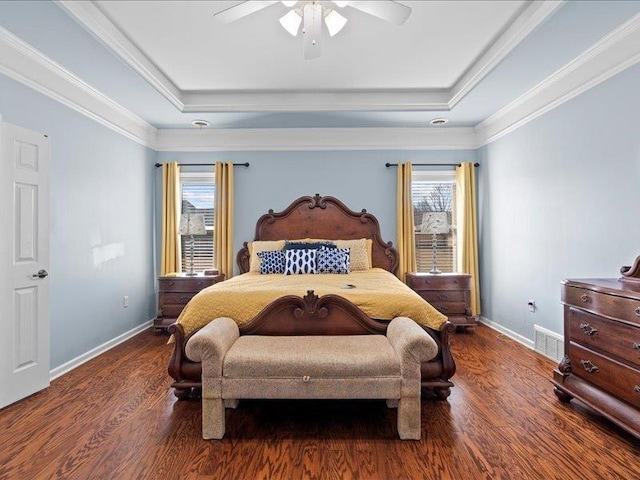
x=324, y=218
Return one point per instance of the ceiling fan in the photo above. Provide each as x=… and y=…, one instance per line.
x=312, y=13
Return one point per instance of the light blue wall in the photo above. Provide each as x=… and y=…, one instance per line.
x=274, y=179
x=560, y=198
x=101, y=205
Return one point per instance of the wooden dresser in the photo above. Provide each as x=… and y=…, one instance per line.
x=450, y=293
x=174, y=292
x=601, y=366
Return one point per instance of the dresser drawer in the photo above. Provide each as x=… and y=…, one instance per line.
x=621, y=380
x=184, y=284
x=608, y=336
x=438, y=282
x=444, y=296
x=613, y=306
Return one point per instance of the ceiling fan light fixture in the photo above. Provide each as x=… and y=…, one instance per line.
x=334, y=22
x=341, y=4
x=291, y=22
x=289, y=3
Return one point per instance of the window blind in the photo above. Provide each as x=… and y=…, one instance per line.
x=435, y=192
x=198, y=196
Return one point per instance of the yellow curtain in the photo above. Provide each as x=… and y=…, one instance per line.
x=223, y=224
x=405, y=224
x=468, y=229
x=170, y=259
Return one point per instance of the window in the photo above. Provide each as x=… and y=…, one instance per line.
x=435, y=191
x=197, y=191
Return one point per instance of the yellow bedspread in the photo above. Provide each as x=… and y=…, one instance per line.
x=377, y=293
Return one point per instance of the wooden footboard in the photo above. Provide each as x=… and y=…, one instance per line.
x=313, y=315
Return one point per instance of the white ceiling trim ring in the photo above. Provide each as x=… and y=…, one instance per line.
x=91, y=18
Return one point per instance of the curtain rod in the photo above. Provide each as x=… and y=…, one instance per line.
x=246, y=164
x=431, y=164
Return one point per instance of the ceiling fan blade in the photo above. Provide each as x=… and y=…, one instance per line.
x=241, y=10
x=311, y=30
x=388, y=10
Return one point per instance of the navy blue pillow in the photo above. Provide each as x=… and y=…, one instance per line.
x=307, y=245
x=333, y=260
x=272, y=261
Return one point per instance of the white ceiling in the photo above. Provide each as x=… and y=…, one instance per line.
x=439, y=42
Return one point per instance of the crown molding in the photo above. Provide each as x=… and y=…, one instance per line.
x=23, y=63
x=615, y=52
x=95, y=22
x=92, y=19
x=305, y=139
x=532, y=16
x=420, y=100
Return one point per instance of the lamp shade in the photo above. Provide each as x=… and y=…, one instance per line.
x=435, y=223
x=192, y=224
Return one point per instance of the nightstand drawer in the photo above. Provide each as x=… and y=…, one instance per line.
x=178, y=298
x=450, y=308
x=610, y=305
x=171, y=310
x=617, y=378
x=444, y=296
x=605, y=335
x=185, y=284
x=439, y=282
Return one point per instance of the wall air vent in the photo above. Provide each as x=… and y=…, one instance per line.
x=548, y=343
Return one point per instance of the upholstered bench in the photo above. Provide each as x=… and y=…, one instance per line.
x=311, y=367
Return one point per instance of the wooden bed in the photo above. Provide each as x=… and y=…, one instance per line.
x=322, y=218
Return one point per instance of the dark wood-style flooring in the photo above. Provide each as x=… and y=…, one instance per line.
x=116, y=418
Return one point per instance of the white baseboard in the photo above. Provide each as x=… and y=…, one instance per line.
x=509, y=333
x=94, y=352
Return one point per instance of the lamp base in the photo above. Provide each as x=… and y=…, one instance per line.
x=434, y=271
x=194, y=274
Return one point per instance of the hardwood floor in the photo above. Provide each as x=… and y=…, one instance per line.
x=502, y=420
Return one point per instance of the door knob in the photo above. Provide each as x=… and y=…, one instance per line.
x=40, y=274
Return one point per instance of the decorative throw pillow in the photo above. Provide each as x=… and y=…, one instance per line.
x=300, y=261
x=272, y=261
x=358, y=256
x=333, y=260
x=261, y=246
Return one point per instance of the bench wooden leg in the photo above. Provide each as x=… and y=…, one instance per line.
x=409, y=418
x=212, y=418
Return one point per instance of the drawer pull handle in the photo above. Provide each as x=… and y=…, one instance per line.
x=442, y=296
x=171, y=284
x=584, y=298
x=588, y=329
x=636, y=346
x=588, y=366
x=306, y=378
x=443, y=308
x=637, y=310
x=636, y=389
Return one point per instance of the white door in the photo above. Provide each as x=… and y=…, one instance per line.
x=24, y=262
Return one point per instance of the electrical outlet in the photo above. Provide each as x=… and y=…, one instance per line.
x=125, y=301
x=532, y=306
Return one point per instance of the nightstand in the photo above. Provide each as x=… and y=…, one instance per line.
x=174, y=292
x=450, y=293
